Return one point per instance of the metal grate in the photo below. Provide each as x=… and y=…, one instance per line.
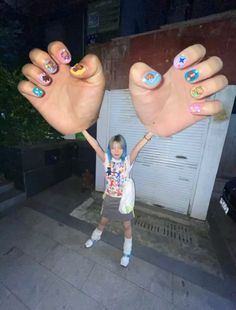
x=173, y=231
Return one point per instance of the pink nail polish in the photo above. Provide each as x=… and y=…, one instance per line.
x=195, y=108
x=64, y=56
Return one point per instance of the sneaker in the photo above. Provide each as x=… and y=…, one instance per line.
x=124, y=262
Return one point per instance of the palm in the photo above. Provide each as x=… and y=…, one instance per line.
x=168, y=107
x=164, y=111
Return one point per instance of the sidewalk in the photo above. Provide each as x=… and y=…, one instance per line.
x=44, y=265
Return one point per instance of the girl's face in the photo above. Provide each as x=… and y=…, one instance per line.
x=116, y=150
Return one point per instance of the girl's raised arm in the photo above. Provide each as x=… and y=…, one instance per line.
x=93, y=142
x=137, y=148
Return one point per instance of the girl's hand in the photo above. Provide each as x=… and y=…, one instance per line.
x=68, y=98
x=168, y=104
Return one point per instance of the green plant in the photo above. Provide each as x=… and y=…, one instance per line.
x=20, y=123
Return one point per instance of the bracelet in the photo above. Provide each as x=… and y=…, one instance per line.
x=146, y=138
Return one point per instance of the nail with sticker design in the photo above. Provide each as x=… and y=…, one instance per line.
x=38, y=91
x=64, y=56
x=191, y=76
x=195, y=108
x=44, y=78
x=152, y=78
x=50, y=66
x=180, y=61
x=77, y=69
x=197, y=91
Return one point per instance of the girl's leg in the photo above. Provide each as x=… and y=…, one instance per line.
x=96, y=234
x=127, y=247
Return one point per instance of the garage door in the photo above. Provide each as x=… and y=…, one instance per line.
x=166, y=170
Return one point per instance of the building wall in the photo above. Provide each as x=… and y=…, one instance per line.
x=158, y=48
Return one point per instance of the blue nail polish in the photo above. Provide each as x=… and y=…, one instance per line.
x=38, y=91
x=152, y=78
x=191, y=76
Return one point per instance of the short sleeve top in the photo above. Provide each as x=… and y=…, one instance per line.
x=116, y=172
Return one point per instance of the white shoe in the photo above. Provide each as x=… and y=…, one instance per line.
x=90, y=242
x=124, y=262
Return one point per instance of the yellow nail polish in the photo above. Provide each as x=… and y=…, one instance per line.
x=77, y=69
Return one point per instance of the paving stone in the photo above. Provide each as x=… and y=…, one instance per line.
x=9, y=302
x=188, y=295
x=61, y=233
x=28, y=216
x=69, y=265
x=116, y=293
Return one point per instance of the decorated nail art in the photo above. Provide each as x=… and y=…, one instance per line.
x=77, y=69
x=195, y=107
x=44, y=78
x=38, y=91
x=64, y=56
x=197, y=91
x=152, y=78
x=50, y=66
x=180, y=61
x=191, y=76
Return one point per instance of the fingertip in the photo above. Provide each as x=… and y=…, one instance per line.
x=144, y=76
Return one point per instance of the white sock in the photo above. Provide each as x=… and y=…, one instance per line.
x=127, y=247
x=96, y=235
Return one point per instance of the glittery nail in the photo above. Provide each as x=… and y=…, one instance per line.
x=50, y=66
x=77, y=69
x=197, y=91
x=64, y=56
x=152, y=78
x=195, y=108
x=38, y=91
x=44, y=78
x=180, y=61
x=191, y=76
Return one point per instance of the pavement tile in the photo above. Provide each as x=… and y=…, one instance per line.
x=188, y=295
x=8, y=301
x=68, y=265
x=24, y=277
x=61, y=233
x=28, y=216
x=116, y=293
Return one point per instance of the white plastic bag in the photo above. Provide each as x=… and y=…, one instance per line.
x=128, y=197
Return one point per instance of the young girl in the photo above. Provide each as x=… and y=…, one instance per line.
x=117, y=165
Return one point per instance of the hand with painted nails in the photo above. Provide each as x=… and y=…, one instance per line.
x=168, y=104
x=69, y=98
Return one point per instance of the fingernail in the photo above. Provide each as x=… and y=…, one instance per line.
x=64, y=56
x=191, y=76
x=152, y=78
x=38, y=91
x=44, y=78
x=195, y=108
x=180, y=61
x=77, y=69
x=197, y=91
x=50, y=66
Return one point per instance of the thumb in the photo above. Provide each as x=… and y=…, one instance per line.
x=89, y=69
x=143, y=77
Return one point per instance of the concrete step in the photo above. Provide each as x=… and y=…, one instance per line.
x=10, y=198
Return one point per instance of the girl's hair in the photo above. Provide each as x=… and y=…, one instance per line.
x=121, y=140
